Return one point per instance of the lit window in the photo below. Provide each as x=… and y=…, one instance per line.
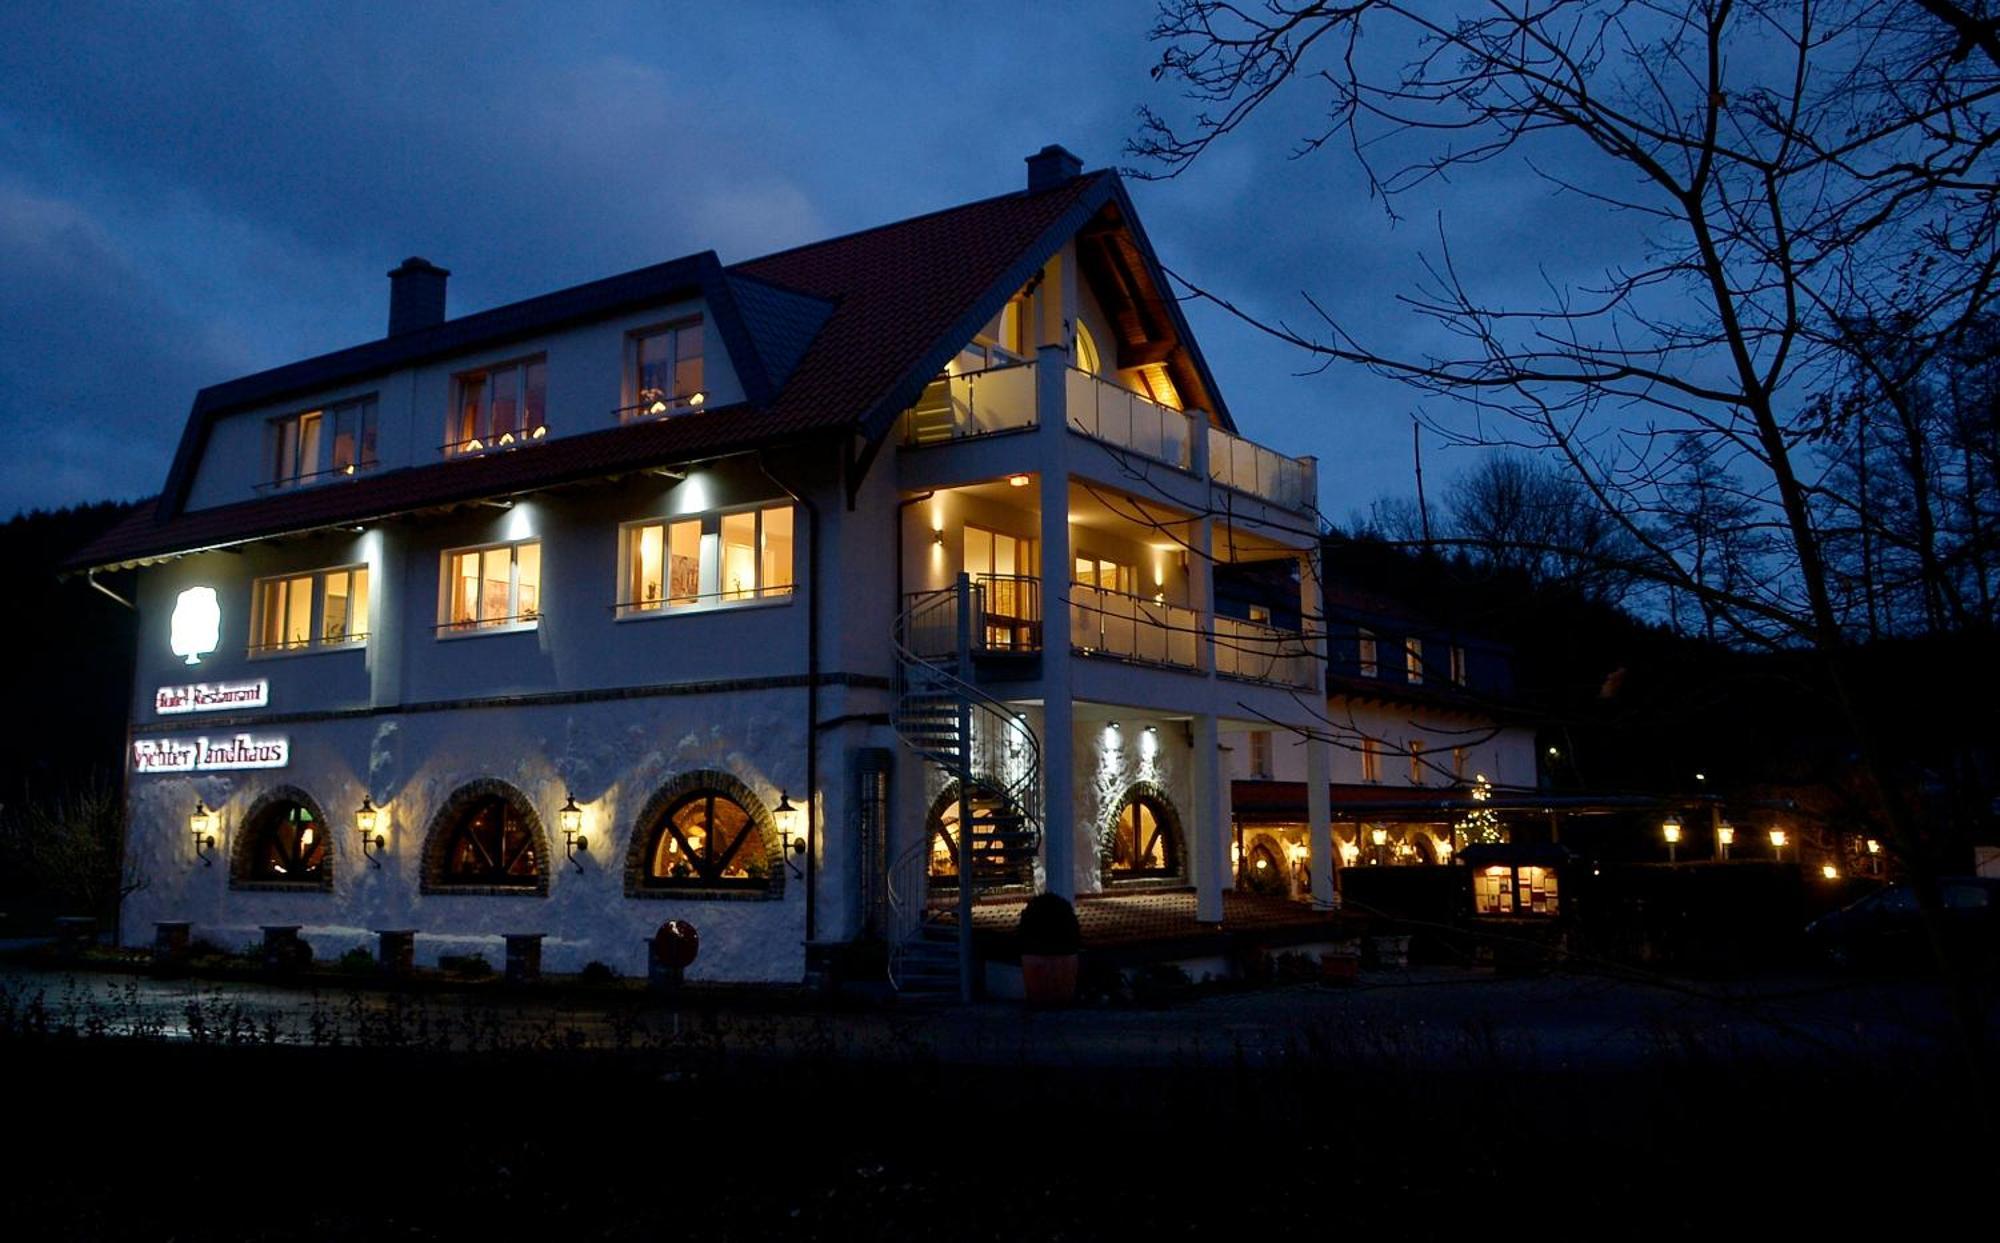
x=1142, y=840
x=499, y=407
x=1413, y=659
x=1371, y=759
x=1458, y=664
x=1106, y=575
x=1364, y=653
x=1526, y=890
x=1002, y=567
x=288, y=844
x=1087, y=359
x=1260, y=753
x=1416, y=762
x=707, y=839
x=667, y=374
x=319, y=609
x=493, y=587
x=302, y=450
x=725, y=558
x=489, y=842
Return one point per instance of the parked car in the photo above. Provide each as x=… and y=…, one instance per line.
x=1885, y=929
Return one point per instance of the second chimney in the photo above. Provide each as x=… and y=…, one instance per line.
x=1050, y=167
x=416, y=296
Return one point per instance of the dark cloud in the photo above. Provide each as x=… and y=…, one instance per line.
x=189, y=192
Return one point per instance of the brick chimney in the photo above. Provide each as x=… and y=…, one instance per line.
x=416, y=296
x=1050, y=167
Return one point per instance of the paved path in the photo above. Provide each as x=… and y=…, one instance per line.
x=1441, y=1018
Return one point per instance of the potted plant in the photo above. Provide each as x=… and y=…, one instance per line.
x=1049, y=939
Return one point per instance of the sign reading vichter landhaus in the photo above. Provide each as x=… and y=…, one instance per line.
x=207, y=755
x=211, y=697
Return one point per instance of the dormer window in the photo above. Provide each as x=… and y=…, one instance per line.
x=667, y=373
x=499, y=407
x=316, y=444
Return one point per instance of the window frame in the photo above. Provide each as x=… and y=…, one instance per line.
x=316, y=642
x=1263, y=759
x=324, y=468
x=1458, y=664
x=447, y=628
x=1371, y=760
x=1367, y=653
x=712, y=881
x=634, y=407
x=1415, y=747
x=1413, y=659
x=711, y=520
x=481, y=442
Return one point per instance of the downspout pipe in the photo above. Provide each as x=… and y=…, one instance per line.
x=812, y=695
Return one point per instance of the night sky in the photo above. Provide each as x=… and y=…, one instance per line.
x=191, y=193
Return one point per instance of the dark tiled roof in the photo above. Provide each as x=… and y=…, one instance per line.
x=837, y=335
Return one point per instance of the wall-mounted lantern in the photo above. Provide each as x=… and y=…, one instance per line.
x=1778, y=840
x=570, y=817
x=202, y=824
x=1725, y=837
x=368, y=823
x=1671, y=830
x=784, y=813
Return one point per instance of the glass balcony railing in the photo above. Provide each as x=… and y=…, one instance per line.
x=1133, y=627
x=1265, y=473
x=976, y=403
x=1122, y=417
x=1260, y=653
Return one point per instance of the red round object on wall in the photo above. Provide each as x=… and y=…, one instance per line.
x=676, y=943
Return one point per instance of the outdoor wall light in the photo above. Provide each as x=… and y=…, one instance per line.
x=1379, y=836
x=1778, y=843
x=937, y=536
x=368, y=822
x=1671, y=830
x=201, y=823
x=570, y=817
x=1725, y=837
x=1874, y=847
x=1017, y=481
x=784, y=813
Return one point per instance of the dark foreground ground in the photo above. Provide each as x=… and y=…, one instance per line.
x=1419, y=1106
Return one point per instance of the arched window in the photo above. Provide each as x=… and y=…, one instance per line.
x=709, y=840
x=486, y=837
x=1145, y=839
x=1264, y=868
x=1003, y=842
x=1087, y=359
x=285, y=844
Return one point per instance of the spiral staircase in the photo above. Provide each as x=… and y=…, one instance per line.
x=992, y=753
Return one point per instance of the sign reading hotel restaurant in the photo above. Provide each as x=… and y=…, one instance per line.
x=211, y=697
x=209, y=755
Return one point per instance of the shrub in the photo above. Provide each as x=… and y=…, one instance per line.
x=1160, y=981
x=472, y=966
x=357, y=961
x=595, y=972
x=1048, y=926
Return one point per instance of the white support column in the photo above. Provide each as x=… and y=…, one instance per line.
x=1211, y=822
x=1319, y=824
x=1058, y=706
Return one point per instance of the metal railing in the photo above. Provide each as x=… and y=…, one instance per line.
x=1259, y=653
x=1133, y=628
x=1264, y=473
x=1122, y=417
x=976, y=403
x=1006, y=617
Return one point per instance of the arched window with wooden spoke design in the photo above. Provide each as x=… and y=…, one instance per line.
x=486, y=839
x=285, y=844
x=708, y=839
x=1145, y=838
x=705, y=833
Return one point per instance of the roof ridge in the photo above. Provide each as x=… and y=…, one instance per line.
x=1067, y=187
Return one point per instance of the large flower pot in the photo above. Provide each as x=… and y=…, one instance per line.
x=1048, y=979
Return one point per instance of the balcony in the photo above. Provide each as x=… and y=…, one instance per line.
x=1121, y=417
x=976, y=403
x=1233, y=462
x=1006, y=618
x=1107, y=623
x=1255, y=652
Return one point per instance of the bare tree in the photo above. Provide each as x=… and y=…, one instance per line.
x=1795, y=178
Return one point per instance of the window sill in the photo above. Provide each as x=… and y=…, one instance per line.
x=283, y=886
x=436, y=889
x=309, y=649
x=632, y=612
x=448, y=630
x=765, y=892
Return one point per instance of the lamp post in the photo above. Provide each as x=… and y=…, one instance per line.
x=1380, y=837
x=1671, y=830
x=1778, y=840
x=1725, y=837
